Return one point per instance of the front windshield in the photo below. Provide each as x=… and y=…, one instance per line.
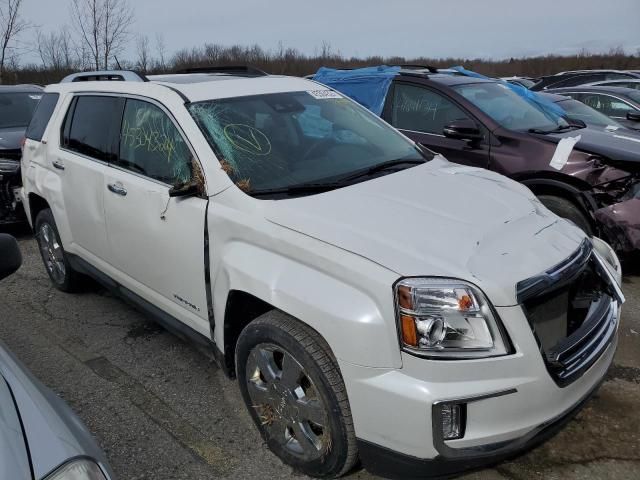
x=280, y=140
x=590, y=116
x=16, y=109
x=508, y=108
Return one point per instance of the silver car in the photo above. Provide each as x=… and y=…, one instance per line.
x=40, y=437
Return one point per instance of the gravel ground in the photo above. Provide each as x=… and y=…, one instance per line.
x=162, y=410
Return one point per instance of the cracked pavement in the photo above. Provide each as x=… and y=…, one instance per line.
x=161, y=409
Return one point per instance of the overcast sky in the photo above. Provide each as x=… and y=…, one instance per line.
x=430, y=28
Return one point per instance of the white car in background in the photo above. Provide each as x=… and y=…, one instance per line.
x=374, y=301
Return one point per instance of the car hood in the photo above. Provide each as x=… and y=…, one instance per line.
x=14, y=460
x=619, y=146
x=439, y=219
x=10, y=138
x=54, y=434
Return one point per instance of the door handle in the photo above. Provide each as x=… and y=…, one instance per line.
x=58, y=164
x=117, y=188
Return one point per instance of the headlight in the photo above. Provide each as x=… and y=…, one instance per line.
x=447, y=318
x=79, y=469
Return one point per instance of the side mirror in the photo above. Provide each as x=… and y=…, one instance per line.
x=10, y=256
x=633, y=116
x=463, y=129
x=184, y=190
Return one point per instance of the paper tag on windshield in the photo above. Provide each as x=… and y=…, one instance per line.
x=563, y=150
x=35, y=97
x=322, y=94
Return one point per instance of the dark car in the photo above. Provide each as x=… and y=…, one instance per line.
x=581, y=77
x=576, y=110
x=17, y=104
x=40, y=437
x=483, y=123
x=619, y=103
x=630, y=83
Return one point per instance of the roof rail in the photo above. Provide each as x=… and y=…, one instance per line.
x=229, y=70
x=105, y=76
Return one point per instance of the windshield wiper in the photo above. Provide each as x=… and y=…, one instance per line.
x=380, y=167
x=301, y=188
x=561, y=128
x=319, y=187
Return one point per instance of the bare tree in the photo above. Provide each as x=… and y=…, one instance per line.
x=56, y=50
x=103, y=27
x=143, y=53
x=11, y=26
x=161, y=52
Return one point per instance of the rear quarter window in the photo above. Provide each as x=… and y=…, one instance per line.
x=41, y=116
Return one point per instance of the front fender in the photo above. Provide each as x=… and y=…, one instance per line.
x=358, y=323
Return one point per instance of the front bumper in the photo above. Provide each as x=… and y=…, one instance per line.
x=512, y=404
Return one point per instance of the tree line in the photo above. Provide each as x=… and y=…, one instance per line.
x=100, y=34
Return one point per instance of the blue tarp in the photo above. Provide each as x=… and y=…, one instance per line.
x=367, y=86
x=551, y=108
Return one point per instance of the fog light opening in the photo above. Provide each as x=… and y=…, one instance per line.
x=453, y=417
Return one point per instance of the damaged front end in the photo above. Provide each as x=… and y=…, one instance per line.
x=615, y=200
x=11, y=210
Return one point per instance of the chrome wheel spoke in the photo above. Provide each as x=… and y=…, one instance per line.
x=291, y=372
x=307, y=440
x=311, y=410
x=264, y=361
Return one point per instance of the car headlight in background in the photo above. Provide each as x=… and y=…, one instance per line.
x=447, y=318
x=79, y=469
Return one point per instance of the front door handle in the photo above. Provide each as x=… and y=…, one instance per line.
x=117, y=188
x=58, y=164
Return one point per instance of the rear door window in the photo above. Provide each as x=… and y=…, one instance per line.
x=41, y=116
x=151, y=145
x=610, y=106
x=422, y=110
x=94, y=121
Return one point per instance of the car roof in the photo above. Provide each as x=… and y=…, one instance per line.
x=594, y=89
x=443, y=78
x=618, y=80
x=195, y=87
x=25, y=88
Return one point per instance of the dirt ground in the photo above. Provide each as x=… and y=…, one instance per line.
x=162, y=410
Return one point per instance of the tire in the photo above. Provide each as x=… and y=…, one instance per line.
x=55, y=259
x=567, y=209
x=295, y=394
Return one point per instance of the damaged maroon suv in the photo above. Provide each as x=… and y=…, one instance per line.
x=483, y=123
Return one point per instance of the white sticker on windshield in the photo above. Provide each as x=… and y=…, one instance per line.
x=611, y=128
x=563, y=150
x=35, y=97
x=322, y=94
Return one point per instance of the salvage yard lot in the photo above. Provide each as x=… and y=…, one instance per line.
x=162, y=410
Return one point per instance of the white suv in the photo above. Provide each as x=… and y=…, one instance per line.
x=374, y=301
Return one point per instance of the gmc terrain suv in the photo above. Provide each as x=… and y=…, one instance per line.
x=374, y=301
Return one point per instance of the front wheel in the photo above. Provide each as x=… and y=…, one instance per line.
x=293, y=389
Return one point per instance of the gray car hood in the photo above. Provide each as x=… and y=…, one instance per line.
x=14, y=460
x=10, y=138
x=439, y=219
x=54, y=433
x=622, y=145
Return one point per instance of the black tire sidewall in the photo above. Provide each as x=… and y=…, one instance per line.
x=46, y=216
x=567, y=209
x=331, y=464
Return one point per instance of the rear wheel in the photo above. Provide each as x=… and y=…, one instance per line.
x=63, y=276
x=567, y=209
x=295, y=394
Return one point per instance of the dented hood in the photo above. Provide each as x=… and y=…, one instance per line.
x=622, y=145
x=439, y=219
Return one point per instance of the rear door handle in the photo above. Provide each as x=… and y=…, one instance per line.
x=117, y=188
x=58, y=164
